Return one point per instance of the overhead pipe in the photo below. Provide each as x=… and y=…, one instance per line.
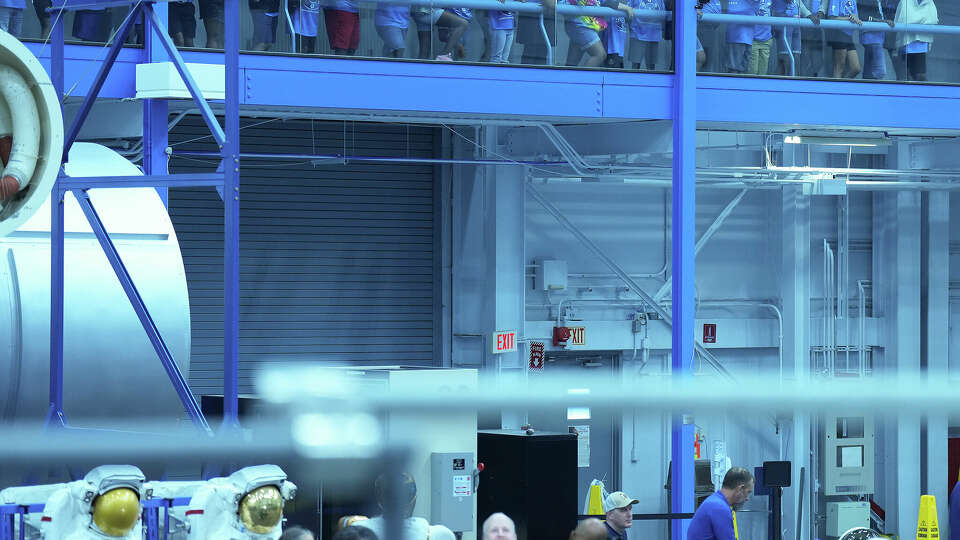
x=739, y=183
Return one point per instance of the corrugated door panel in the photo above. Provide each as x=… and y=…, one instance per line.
x=336, y=261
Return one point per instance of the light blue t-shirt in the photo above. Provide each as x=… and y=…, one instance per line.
x=306, y=18
x=392, y=15
x=763, y=32
x=615, y=36
x=917, y=47
x=713, y=7
x=645, y=30
x=785, y=8
x=500, y=19
x=463, y=13
x=741, y=33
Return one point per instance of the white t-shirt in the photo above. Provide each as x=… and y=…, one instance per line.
x=414, y=528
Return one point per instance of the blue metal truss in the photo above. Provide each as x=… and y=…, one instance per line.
x=159, y=46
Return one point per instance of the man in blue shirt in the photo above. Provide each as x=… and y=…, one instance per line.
x=619, y=509
x=714, y=519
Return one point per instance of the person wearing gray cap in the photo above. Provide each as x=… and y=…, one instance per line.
x=619, y=509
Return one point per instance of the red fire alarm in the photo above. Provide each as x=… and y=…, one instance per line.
x=561, y=334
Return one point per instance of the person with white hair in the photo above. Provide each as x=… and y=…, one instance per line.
x=499, y=526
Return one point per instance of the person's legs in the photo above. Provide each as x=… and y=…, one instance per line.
x=852, y=64
x=595, y=54
x=394, y=40
x=763, y=65
x=917, y=65
x=507, y=46
x=40, y=8
x=839, y=61
x=211, y=12
x=650, y=54
x=574, y=54
x=874, y=66
x=753, y=68
x=306, y=44
x=497, y=40
x=899, y=64
x=6, y=14
x=456, y=26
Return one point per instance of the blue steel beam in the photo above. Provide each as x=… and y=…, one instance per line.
x=55, y=411
x=231, y=218
x=166, y=181
x=288, y=81
x=155, y=111
x=161, y=32
x=684, y=217
x=115, y=47
x=149, y=326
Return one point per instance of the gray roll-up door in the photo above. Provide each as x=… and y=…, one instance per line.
x=337, y=262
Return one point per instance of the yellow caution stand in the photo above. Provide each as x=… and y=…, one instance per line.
x=595, y=501
x=927, y=527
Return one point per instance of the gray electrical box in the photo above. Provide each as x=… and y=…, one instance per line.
x=452, y=496
x=843, y=516
x=848, y=455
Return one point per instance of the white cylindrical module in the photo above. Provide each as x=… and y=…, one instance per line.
x=31, y=134
x=110, y=367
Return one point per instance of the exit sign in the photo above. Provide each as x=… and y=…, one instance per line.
x=504, y=341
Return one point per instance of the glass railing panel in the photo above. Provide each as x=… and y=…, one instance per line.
x=884, y=40
x=848, y=39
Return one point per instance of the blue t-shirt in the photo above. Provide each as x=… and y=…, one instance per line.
x=876, y=38
x=500, y=20
x=463, y=13
x=916, y=47
x=762, y=32
x=615, y=36
x=842, y=8
x=15, y=4
x=392, y=15
x=713, y=7
x=713, y=520
x=785, y=8
x=646, y=30
x=741, y=33
x=346, y=5
x=955, y=513
x=306, y=18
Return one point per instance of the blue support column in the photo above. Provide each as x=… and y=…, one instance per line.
x=684, y=213
x=155, y=111
x=231, y=215
x=55, y=411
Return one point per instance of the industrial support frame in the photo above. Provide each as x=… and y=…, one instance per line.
x=155, y=113
x=159, y=46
